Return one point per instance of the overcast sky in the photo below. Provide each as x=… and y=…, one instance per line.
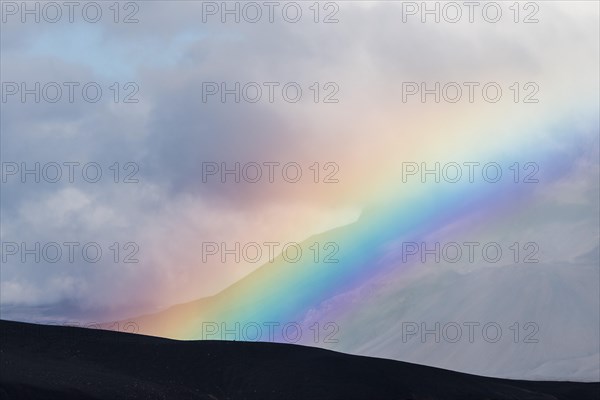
x=170, y=132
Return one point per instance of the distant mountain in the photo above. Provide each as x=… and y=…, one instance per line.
x=50, y=362
x=547, y=311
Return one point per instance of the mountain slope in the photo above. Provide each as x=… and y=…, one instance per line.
x=75, y=363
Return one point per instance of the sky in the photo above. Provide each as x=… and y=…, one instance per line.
x=174, y=138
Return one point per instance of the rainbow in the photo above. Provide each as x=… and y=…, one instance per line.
x=409, y=211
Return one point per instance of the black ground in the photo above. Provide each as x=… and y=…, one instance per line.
x=51, y=362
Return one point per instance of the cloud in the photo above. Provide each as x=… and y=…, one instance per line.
x=171, y=132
